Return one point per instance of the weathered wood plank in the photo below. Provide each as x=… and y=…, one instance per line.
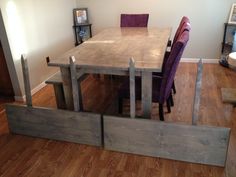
x=75, y=87
x=25, y=71
x=197, y=96
x=55, y=79
x=132, y=87
x=67, y=87
x=146, y=94
x=55, y=124
x=198, y=144
x=59, y=95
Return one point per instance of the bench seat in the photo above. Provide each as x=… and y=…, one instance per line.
x=57, y=83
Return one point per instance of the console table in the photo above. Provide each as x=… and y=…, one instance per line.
x=77, y=31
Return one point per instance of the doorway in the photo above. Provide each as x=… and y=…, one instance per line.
x=6, y=88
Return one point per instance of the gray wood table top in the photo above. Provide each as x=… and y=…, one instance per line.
x=113, y=47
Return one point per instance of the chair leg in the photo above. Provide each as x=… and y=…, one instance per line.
x=161, y=113
x=171, y=100
x=120, y=105
x=168, y=102
x=173, y=87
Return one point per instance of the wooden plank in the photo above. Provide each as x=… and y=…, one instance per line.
x=75, y=88
x=197, y=96
x=55, y=79
x=197, y=144
x=59, y=95
x=132, y=87
x=55, y=124
x=67, y=87
x=228, y=95
x=147, y=94
x=102, y=70
x=25, y=71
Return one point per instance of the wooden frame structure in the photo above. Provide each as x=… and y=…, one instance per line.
x=190, y=143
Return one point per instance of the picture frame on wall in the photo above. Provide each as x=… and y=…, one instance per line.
x=80, y=16
x=232, y=16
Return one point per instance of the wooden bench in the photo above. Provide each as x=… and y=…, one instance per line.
x=57, y=83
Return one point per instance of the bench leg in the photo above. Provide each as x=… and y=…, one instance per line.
x=59, y=94
x=80, y=95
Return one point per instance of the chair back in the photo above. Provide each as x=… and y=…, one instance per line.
x=185, y=27
x=182, y=26
x=134, y=20
x=171, y=65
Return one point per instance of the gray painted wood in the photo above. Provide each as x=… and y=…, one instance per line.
x=197, y=96
x=59, y=95
x=146, y=94
x=197, y=144
x=75, y=88
x=55, y=79
x=67, y=87
x=80, y=93
x=25, y=71
x=132, y=87
x=55, y=124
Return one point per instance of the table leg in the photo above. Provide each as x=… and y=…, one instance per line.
x=147, y=94
x=67, y=87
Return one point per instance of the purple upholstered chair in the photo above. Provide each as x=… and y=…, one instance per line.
x=134, y=20
x=183, y=21
x=183, y=26
x=161, y=87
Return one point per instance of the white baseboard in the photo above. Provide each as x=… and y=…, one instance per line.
x=33, y=91
x=19, y=98
x=195, y=60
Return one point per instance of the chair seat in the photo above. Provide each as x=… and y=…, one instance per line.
x=124, y=91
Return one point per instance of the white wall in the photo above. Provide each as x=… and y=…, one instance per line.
x=38, y=29
x=207, y=19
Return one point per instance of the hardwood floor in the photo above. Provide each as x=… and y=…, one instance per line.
x=27, y=156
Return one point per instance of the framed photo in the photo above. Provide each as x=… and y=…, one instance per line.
x=80, y=16
x=232, y=16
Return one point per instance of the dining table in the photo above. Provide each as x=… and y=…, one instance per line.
x=109, y=52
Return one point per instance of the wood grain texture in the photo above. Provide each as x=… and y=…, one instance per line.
x=63, y=125
x=67, y=87
x=26, y=78
x=197, y=144
x=75, y=86
x=113, y=47
x=55, y=79
x=228, y=95
x=132, y=87
x=147, y=94
x=59, y=96
x=197, y=95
